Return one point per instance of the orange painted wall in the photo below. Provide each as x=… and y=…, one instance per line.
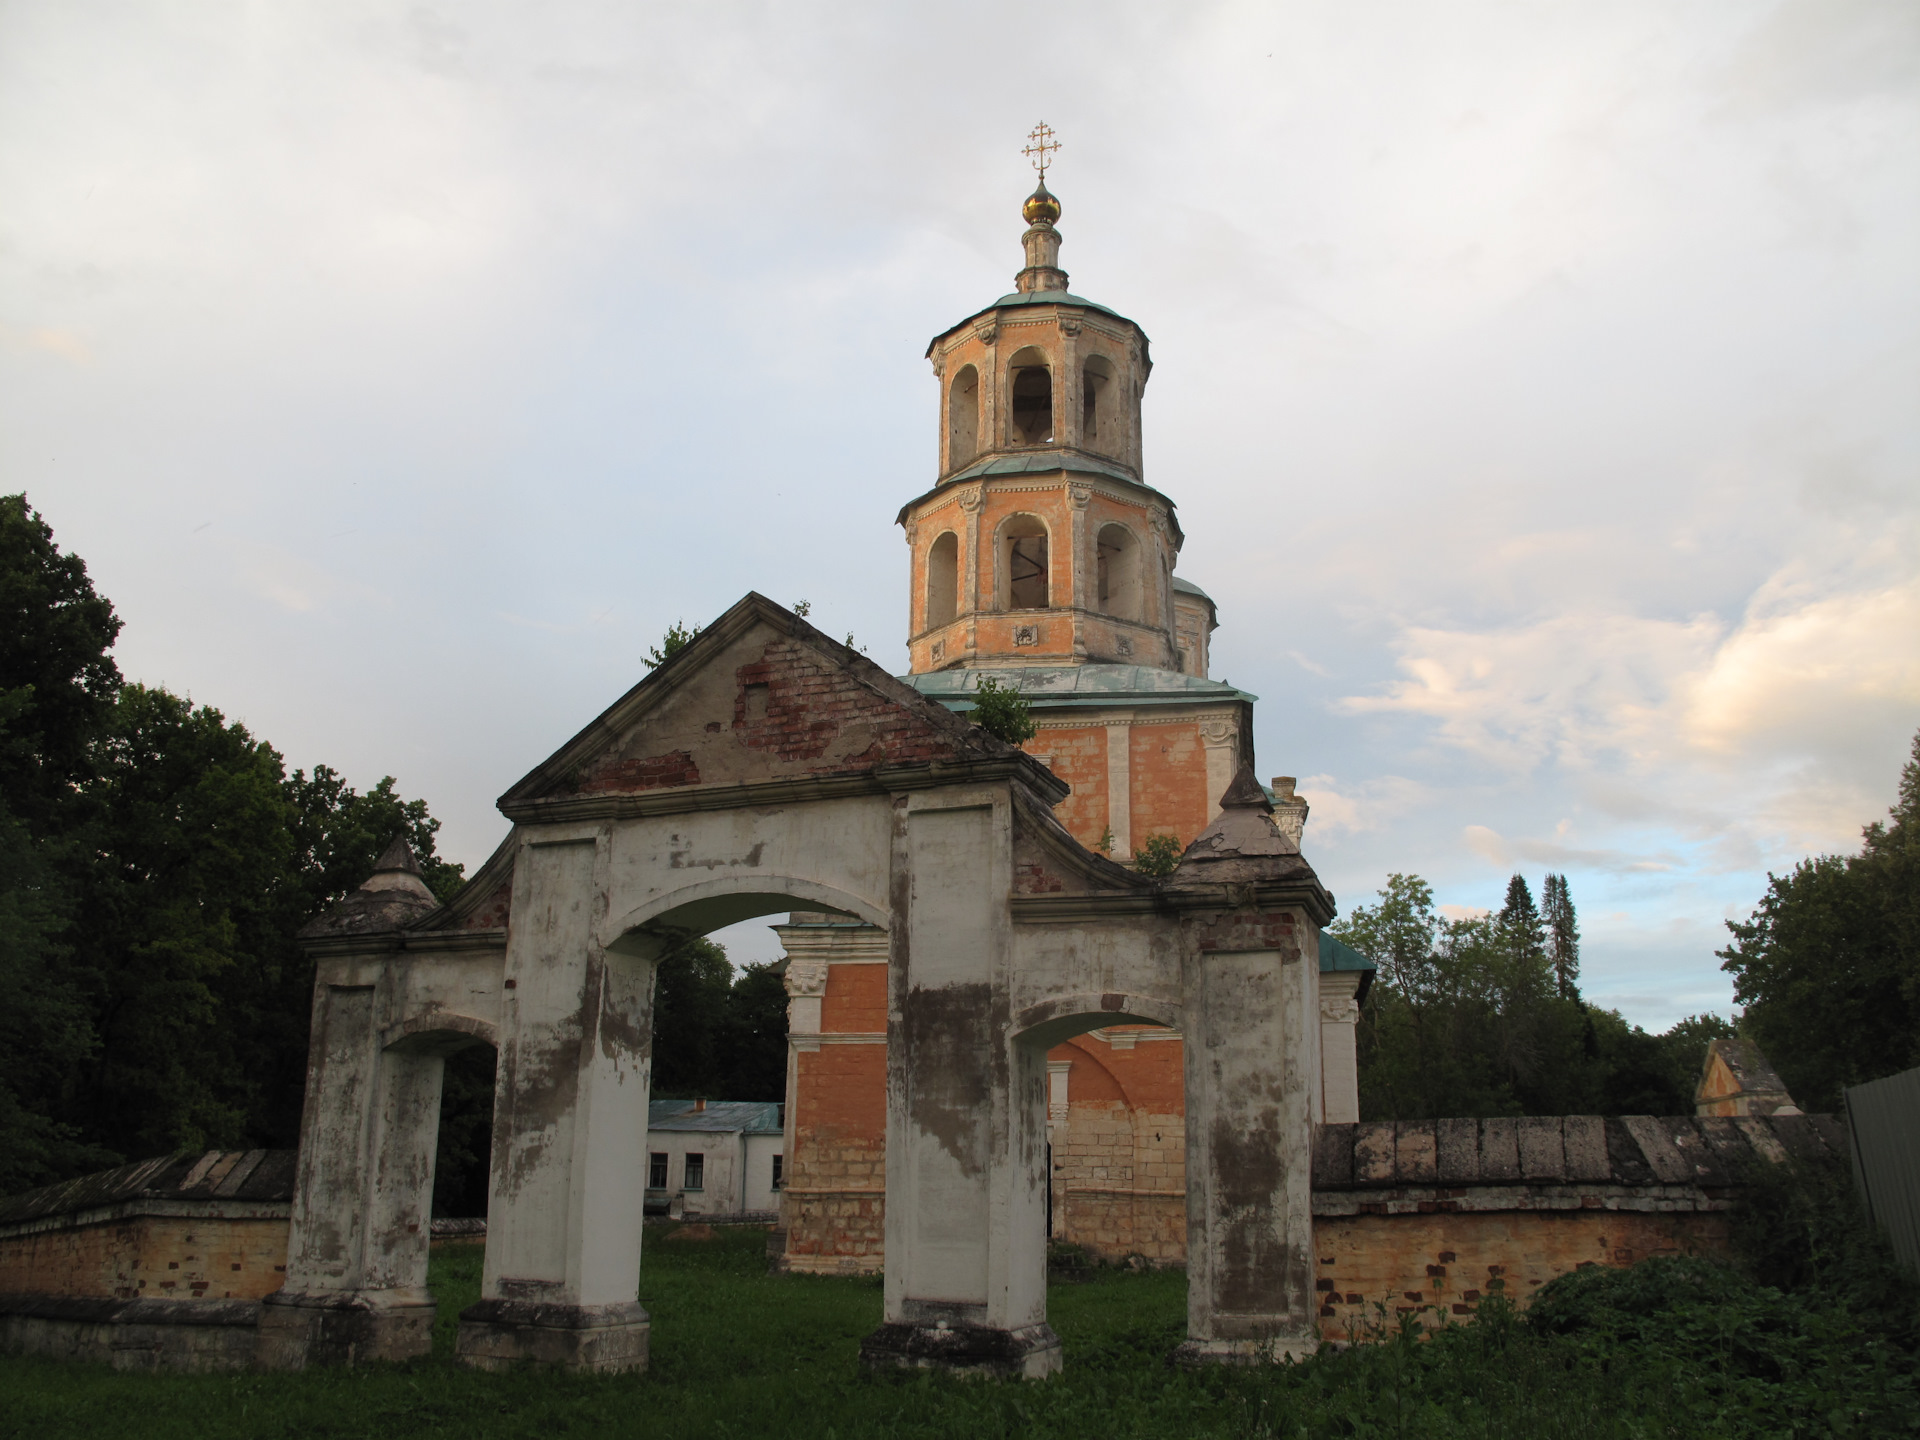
x=1168, y=769
x=856, y=1000
x=1079, y=757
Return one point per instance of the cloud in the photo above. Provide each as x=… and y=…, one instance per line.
x=1337, y=810
x=1498, y=850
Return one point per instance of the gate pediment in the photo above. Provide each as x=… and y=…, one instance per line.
x=760, y=701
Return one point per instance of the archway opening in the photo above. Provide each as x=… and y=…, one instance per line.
x=963, y=417
x=1118, y=565
x=943, y=580
x=1032, y=397
x=1023, y=564
x=1115, y=1096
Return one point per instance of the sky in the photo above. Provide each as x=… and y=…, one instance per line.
x=1536, y=382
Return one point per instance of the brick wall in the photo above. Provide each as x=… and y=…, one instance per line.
x=205, y=1256
x=834, y=1204
x=1439, y=1266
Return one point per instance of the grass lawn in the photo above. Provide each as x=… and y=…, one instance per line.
x=737, y=1352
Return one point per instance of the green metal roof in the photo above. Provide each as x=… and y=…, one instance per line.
x=1336, y=956
x=1021, y=298
x=1187, y=587
x=1036, y=462
x=1059, y=686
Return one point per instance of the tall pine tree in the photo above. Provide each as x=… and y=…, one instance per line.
x=1563, y=935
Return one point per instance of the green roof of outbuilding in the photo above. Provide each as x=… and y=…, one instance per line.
x=1336, y=956
x=1056, y=686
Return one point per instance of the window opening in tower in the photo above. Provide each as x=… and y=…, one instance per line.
x=1033, y=405
x=1027, y=572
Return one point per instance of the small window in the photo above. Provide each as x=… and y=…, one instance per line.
x=779, y=1172
x=657, y=1170
x=943, y=580
x=696, y=1173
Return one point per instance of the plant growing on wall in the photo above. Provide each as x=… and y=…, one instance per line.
x=1002, y=711
x=1157, y=855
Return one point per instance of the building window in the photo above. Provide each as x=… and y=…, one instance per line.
x=657, y=1170
x=1032, y=399
x=963, y=417
x=1023, y=564
x=943, y=580
x=696, y=1173
x=1118, y=563
x=779, y=1171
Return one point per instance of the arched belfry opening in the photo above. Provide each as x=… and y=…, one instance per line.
x=1098, y=423
x=963, y=417
x=1023, y=582
x=943, y=580
x=1032, y=398
x=1117, y=563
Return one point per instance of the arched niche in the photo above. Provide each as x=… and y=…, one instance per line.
x=963, y=417
x=943, y=580
x=1117, y=565
x=1100, y=426
x=1030, y=396
x=1021, y=568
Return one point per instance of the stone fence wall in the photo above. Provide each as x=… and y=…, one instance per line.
x=1430, y=1217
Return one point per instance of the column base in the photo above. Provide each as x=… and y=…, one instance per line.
x=1191, y=1354
x=1029, y=1353
x=598, y=1339
x=343, y=1327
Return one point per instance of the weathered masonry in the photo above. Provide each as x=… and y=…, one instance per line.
x=767, y=769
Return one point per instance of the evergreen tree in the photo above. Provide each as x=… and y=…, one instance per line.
x=1563, y=935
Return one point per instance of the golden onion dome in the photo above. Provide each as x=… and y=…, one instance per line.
x=1041, y=207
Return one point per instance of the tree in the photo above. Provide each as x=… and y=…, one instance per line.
x=1828, y=964
x=1159, y=854
x=57, y=680
x=1002, y=711
x=1563, y=935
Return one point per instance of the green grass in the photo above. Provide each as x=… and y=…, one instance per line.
x=737, y=1352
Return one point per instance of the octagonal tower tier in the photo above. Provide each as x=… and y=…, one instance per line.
x=1040, y=543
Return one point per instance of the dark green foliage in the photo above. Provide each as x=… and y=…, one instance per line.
x=460, y=1166
x=1002, y=711
x=1828, y=965
x=1653, y=1352
x=716, y=1035
x=1157, y=855
x=155, y=866
x=1470, y=1017
x=677, y=638
x=57, y=681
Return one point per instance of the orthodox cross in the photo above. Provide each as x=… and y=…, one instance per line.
x=1040, y=145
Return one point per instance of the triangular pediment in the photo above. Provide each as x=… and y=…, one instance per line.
x=761, y=697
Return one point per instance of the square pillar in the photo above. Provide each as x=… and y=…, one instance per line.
x=966, y=1111
x=1251, y=1070
x=1339, y=1049
x=569, y=1133
x=356, y=1287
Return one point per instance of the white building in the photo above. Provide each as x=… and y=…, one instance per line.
x=714, y=1157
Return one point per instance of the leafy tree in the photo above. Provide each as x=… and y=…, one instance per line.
x=1466, y=1017
x=1002, y=711
x=691, y=986
x=1158, y=854
x=677, y=638
x=756, y=1061
x=57, y=681
x=1828, y=964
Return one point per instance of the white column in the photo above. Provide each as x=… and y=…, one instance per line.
x=1339, y=1065
x=1120, y=788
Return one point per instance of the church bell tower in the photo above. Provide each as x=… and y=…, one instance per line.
x=1040, y=542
